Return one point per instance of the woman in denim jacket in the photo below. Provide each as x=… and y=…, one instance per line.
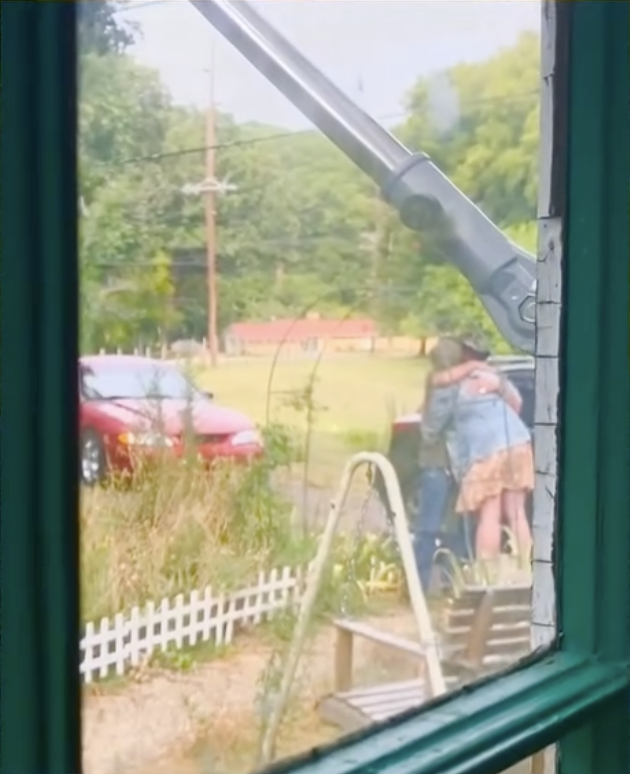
x=490, y=451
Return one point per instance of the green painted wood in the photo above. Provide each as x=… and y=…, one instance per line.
x=483, y=729
x=39, y=572
x=594, y=542
x=480, y=730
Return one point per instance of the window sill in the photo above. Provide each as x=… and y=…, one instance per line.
x=483, y=729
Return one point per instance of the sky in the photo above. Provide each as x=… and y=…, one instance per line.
x=373, y=49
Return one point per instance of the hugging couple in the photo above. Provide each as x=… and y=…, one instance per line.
x=473, y=440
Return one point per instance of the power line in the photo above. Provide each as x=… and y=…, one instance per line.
x=133, y=5
x=226, y=144
x=499, y=99
x=197, y=149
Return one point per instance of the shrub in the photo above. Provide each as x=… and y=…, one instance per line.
x=179, y=527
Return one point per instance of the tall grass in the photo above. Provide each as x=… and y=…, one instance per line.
x=513, y=567
x=177, y=527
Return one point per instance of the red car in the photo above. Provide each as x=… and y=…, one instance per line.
x=135, y=407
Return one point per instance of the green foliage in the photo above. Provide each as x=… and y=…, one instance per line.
x=100, y=32
x=479, y=122
x=180, y=527
x=304, y=229
x=489, y=147
x=524, y=234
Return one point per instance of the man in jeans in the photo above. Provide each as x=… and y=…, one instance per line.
x=436, y=485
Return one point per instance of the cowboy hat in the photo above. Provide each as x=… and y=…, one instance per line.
x=475, y=343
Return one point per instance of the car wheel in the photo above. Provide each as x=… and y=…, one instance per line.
x=92, y=459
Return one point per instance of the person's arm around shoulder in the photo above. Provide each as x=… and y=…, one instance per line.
x=457, y=373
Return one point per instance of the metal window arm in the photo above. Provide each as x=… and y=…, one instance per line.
x=500, y=273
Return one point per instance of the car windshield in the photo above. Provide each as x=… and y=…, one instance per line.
x=157, y=382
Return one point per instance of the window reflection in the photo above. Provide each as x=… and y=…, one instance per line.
x=221, y=232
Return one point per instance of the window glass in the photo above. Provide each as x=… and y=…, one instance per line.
x=227, y=243
x=120, y=381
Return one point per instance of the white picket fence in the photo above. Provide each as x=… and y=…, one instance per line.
x=128, y=640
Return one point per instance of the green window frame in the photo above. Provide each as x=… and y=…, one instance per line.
x=575, y=691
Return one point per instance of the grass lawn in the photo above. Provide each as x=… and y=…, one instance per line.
x=353, y=401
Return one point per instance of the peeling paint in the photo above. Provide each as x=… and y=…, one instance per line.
x=548, y=308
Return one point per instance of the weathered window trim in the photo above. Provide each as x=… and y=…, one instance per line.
x=582, y=682
x=551, y=199
x=482, y=730
x=592, y=550
x=40, y=694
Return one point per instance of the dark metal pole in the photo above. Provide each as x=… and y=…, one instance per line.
x=356, y=133
x=500, y=273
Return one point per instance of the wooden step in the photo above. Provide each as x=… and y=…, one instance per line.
x=360, y=707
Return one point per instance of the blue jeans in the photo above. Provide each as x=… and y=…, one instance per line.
x=435, y=486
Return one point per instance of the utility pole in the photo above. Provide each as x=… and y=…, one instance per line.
x=209, y=188
x=372, y=242
x=211, y=231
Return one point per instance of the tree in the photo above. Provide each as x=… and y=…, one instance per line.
x=489, y=147
x=304, y=228
x=479, y=123
x=100, y=32
x=288, y=236
x=127, y=285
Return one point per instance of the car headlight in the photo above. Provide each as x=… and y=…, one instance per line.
x=155, y=440
x=247, y=438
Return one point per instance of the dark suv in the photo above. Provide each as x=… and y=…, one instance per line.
x=404, y=446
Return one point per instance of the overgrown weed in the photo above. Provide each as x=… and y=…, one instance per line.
x=512, y=567
x=179, y=526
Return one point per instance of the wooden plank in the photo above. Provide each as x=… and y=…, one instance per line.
x=462, y=672
x=505, y=614
x=334, y=710
x=497, y=638
x=391, y=641
x=357, y=708
x=497, y=627
x=495, y=643
x=475, y=647
x=460, y=640
x=519, y=588
x=504, y=627
x=343, y=660
x=501, y=604
x=477, y=641
x=486, y=629
x=374, y=703
x=507, y=650
x=505, y=595
x=368, y=703
x=384, y=688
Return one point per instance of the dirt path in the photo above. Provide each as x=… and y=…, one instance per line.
x=150, y=725
x=315, y=504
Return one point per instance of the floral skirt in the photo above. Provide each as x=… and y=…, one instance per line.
x=510, y=470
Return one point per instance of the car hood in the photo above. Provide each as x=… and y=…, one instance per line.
x=174, y=417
